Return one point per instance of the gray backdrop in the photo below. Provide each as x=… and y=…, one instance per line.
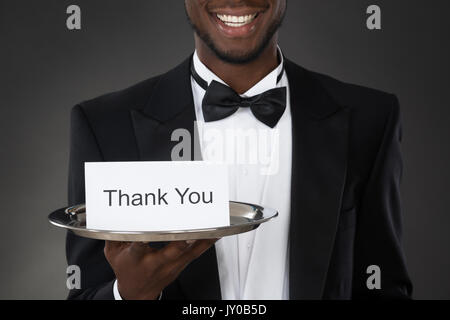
x=46, y=69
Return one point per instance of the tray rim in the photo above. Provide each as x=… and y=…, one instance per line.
x=268, y=214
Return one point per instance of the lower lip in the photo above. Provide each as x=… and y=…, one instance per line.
x=236, y=32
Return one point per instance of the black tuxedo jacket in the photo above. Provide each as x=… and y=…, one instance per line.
x=346, y=168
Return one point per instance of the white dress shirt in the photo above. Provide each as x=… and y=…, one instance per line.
x=253, y=265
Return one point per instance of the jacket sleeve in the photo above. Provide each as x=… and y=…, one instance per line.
x=379, y=225
x=97, y=277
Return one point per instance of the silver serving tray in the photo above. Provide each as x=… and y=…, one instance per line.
x=244, y=217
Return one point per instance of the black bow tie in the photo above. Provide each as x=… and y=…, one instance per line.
x=220, y=101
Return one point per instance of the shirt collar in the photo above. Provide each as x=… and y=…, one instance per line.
x=267, y=83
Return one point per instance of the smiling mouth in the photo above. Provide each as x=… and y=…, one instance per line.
x=236, y=21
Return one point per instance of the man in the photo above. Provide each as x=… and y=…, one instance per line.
x=336, y=183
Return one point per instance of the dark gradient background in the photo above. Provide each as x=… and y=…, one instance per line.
x=45, y=69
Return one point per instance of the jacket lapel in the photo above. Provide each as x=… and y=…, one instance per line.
x=319, y=164
x=169, y=108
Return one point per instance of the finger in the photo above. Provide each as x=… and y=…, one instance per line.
x=194, y=251
x=173, y=250
x=113, y=247
x=139, y=249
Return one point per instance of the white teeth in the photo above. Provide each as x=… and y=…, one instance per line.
x=236, y=21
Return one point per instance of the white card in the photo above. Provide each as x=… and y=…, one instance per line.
x=156, y=196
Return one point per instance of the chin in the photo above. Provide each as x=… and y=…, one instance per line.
x=237, y=56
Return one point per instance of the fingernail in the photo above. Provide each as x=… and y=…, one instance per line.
x=190, y=242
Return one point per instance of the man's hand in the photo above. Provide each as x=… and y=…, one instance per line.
x=142, y=272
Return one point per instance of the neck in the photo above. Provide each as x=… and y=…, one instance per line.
x=231, y=73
